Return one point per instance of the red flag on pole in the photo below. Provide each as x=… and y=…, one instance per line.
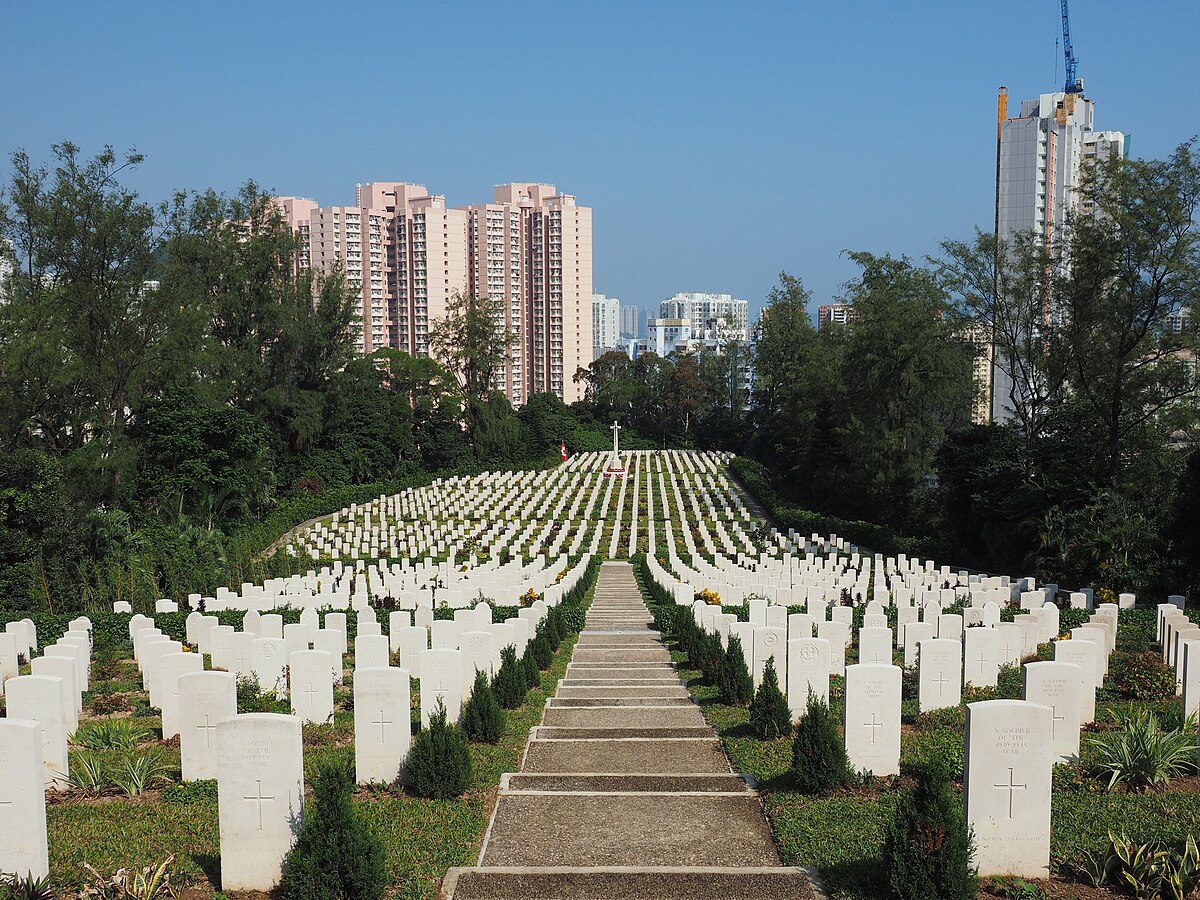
x=563, y=450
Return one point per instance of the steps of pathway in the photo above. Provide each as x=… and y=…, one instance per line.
x=624, y=790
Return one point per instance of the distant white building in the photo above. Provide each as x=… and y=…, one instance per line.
x=693, y=321
x=606, y=324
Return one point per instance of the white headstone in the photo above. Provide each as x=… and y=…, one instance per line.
x=23, y=844
x=1006, y=782
x=939, y=664
x=172, y=667
x=807, y=670
x=371, y=651
x=38, y=698
x=981, y=656
x=269, y=661
x=441, y=677
x=205, y=700
x=382, y=724
x=875, y=646
x=872, y=718
x=1057, y=685
x=260, y=797
x=311, y=685
x=330, y=640
x=769, y=643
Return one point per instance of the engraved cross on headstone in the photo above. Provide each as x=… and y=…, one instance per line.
x=941, y=681
x=982, y=660
x=310, y=690
x=208, y=730
x=1055, y=718
x=382, y=723
x=259, y=799
x=874, y=725
x=1012, y=787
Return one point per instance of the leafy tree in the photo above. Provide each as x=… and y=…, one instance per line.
x=907, y=376
x=1133, y=275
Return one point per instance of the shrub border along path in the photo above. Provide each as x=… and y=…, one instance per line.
x=423, y=838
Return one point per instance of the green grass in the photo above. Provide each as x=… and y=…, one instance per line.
x=842, y=835
x=422, y=838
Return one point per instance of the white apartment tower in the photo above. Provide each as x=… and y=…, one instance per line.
x=1042, y=158
x=606, y=324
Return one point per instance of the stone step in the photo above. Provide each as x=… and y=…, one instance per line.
x=578, y=681
x=635, y=732
x=663, y=674
x=603, y=783
x=628, y=883
x=618, y=693
x=564, y=702
x=647, y=757
x=624, y=716
x=629, y=829
x=624, y=655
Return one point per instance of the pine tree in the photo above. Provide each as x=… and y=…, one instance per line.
x=734, y=681
x=770, y=716
x=927, y=847
x=337, y=856
x=551, y=627
x=439, y=763
x=509, y=684
x=819, y=762
x=482, y=719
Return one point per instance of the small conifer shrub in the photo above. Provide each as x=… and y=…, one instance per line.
x=533, y=675
x=733, y=679
x=337, y=856
x=541, y=650
x=552, y=629
x=509, y=684
x=439, y=764
x=819, y=762
x=770, y=716
x=927, y=847
x=482, y=719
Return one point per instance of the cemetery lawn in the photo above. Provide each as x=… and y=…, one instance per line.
x=841, y=835
x=423, y=838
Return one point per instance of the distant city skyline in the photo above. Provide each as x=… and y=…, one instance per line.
x=730, y=144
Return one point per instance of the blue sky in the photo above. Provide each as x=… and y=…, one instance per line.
x=718, y=143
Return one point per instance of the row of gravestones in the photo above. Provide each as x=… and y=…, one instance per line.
x=256, y=758
x=1011, y=745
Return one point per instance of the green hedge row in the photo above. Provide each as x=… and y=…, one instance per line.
x=867, y=535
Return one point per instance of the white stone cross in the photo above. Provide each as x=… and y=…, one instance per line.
x=616, y=431
x=260, y=799
x=1012, y=787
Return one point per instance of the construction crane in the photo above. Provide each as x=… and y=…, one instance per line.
x=1074, y=83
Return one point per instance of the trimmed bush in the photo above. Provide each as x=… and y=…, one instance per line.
x=1142, y=676
x=927, y=847
x=337, y=856
x=439, y=763
x=819, y=762
x=482, y=719
x=541, y=650
x=533, y=675
x=770, y=716
x=509, y=684
x=733, y=680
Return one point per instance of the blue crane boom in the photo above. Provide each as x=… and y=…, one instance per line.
x=1073, y=86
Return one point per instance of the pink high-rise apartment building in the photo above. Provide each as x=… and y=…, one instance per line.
x=530, y=253
x=406, y=254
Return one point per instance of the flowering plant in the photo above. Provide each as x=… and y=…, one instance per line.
x=712, y=598
x=529, y=598
x=561, y=575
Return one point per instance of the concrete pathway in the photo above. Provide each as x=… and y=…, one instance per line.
x=624, y=791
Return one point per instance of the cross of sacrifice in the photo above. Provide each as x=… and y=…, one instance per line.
x=1012, y=787
x=382, y=723
x=873, y=725
x=260, y=799
x=208, y=730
